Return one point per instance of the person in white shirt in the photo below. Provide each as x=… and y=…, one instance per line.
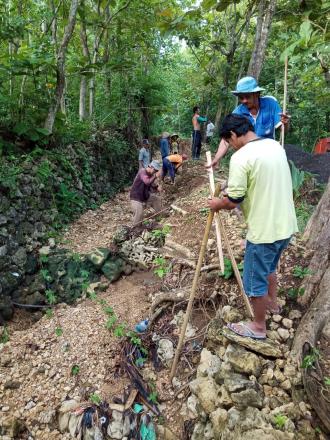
x=209, y=131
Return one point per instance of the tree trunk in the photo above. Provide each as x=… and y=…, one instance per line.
x=60, y=67
x=318, y=314
x=83, y=78
x=265, y=15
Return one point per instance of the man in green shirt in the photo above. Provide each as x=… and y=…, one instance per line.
x=259, y=180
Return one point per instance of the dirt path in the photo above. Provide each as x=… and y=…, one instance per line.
x=36, y=364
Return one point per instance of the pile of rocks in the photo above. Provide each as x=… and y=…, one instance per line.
x=244, y=389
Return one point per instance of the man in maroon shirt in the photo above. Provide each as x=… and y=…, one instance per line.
x=143, y=191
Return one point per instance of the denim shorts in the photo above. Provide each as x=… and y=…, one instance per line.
x=260, y=261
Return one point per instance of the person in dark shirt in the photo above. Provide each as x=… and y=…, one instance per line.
x=165, y=145
x=144, y=191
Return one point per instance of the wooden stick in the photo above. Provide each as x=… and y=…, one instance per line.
x=151, y=216
x=217, y=229
x=194, y=287
x=179, y=210
x=285, y=92
x=235, y=268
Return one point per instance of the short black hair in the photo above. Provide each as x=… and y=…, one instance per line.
x=195, y=108
x=236, y=123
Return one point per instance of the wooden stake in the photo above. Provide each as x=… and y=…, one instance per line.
x=194, y=287
x=235, y=268
x=285, y=92
x=217, y=229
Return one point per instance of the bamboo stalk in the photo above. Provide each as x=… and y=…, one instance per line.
x=194, y=287
x=235, y=268
x=217, y=229
x=285, y=92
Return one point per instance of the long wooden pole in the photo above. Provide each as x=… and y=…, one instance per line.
x=217, y=228
x=235, y=268
x=285, y=92
x=194, y=286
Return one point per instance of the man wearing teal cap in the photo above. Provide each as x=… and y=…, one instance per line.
x=263, y=112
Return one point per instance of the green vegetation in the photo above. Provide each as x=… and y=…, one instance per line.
x=162, y=268
x=58, y=331
x=300, y=272
x=310, y=359
x=75, y=369
x=95, y=398
x=229, y=271
x=295, y=292
x=280, y=421
x=4, y=337
x=161, y=233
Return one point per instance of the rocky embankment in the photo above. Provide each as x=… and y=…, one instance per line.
x=41, y=191
x=247, y=389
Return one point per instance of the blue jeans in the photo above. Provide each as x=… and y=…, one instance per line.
x=168, y=167
x=196, y=144
x=260, y=261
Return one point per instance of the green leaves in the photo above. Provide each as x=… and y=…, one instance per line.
x=305, y=31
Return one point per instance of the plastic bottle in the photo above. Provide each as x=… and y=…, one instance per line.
x=142, y=326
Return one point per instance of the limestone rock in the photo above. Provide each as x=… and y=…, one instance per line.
x=247, y=398
x=99, y=256
x=230, y=314
x=209, y=364
x=326, y=331
x=242, y=360
x=207, y=392
x=165, y=350
x=284, y=333
x=218, y=419
x=113, y=268
x=295, y=314
x=287, y=322
x=265, y=347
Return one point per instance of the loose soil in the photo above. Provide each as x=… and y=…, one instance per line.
x=39, y=363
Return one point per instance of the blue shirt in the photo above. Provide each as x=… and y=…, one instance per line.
x=268, y=117
x=144, y=155
x=164, y=147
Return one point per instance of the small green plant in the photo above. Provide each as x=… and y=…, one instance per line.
x=50, y=297
x=95, y=398
x=111, y=322
x=161, y=267
x=4, y=338
x=161, y=233
x=298, y=178
x=153, y=396
x=46, y=275
x=43, y=259
x=204, y=211
x=44, y=171
x=327, y=381
x=310, y=359
x=280, y=421
x=49, y=313
x=75, y=369
x=300, y=272
x=229, y=271
x=295, y=292
x=119, y=330
x=58, y=331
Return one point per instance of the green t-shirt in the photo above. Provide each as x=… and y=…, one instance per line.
x=259, y=175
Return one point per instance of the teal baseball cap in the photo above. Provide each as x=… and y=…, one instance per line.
x=248, y=84
x=156, y=165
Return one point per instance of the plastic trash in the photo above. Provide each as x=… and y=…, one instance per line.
x=142, y=326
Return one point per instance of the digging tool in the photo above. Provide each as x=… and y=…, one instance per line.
x=285, y=92
x=194, y=286
x=151, y=216
x=217, y=228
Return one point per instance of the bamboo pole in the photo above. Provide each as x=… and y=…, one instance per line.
x=235, y=268
x=285, y=92
x=194, y=286
x=217, y=228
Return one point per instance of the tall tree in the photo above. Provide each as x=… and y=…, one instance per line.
x=60, y=66
x=264, y=22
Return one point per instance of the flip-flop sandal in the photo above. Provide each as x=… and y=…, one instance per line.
x=246, y=331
